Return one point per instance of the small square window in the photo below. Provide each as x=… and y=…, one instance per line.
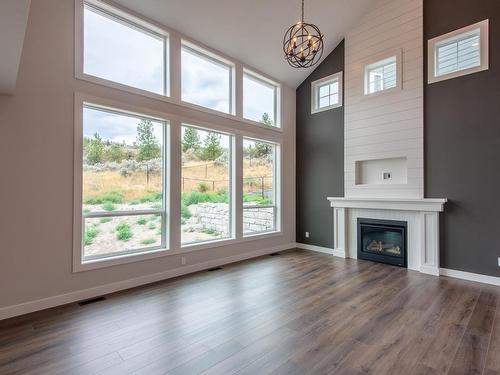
x=326, y=93
x=458, y=53
x=382, y=75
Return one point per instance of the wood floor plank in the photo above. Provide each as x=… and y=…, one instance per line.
x=296, y=313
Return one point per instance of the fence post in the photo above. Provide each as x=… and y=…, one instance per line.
x=213, y=186
x=183, y=181
x=262, y=187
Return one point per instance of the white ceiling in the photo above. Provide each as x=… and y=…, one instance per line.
x=252, y=31
x=13, y=22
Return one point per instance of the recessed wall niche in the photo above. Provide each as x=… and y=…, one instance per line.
x=382, y=171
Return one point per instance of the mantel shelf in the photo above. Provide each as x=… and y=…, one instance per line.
x=424, y=204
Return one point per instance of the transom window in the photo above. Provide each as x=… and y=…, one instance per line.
x=123, y=51
x=381, y=75
x=458, y=53
x=260, y=99
x=326, y=93
x=260, y=188
x=207, y=80
x=123, y=183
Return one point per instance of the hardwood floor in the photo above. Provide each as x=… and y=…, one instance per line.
x=296, y=313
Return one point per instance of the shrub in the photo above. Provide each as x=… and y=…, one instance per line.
x=196, y=197
x=152, y=226
x=90, y=234
x=185, y=213
x=104, y=220
x=86, y=210
x=203, y=187
x=108, y=206
x=148, y=241
x=123, y=232
x=210, y=231
x=151, y=198
x=142, y=221
x=108, y=197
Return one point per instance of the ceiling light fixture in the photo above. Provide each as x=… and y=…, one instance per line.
x=303, y=44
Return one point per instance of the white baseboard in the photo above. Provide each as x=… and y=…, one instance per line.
x=62, y=299
x=320, y=249
x=485, y=279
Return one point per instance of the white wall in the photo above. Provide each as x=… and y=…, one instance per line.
x=36, y=188
x=389, y=125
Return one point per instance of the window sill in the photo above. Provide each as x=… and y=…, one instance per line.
x=188, y=248
x=319, y=110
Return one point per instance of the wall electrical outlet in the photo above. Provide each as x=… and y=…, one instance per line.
x=307, y=236
x=387, y=176
x=183, y=261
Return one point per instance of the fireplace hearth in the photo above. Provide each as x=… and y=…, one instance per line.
x=383, y=241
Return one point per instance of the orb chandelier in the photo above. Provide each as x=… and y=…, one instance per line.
x=303, y=44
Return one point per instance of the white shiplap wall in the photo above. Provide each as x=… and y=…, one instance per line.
x=388, y=125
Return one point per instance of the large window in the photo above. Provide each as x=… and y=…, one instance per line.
x=207, y=80
x=119, y=50
x=326, y=93
x=382, y=75
x=123, y=183
x=260, y=188
x=206, y=185
x=260, y=99
x=458, y=53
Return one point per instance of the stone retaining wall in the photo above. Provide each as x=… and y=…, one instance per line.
x=215, y=216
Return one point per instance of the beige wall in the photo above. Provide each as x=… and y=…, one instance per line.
x=36, y=153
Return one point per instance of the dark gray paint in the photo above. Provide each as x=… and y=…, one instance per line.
x=462, y=143
x=320, y=158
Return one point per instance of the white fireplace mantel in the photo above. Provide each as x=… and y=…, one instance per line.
x=422, y=216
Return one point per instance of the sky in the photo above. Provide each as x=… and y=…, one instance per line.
x=122, y=54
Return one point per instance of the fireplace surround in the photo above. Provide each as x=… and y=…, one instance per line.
x=383, y=241
x=421, y=215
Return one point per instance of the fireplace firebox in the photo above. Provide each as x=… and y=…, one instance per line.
x=383, y=241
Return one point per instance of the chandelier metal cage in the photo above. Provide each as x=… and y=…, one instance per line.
x=303, y=44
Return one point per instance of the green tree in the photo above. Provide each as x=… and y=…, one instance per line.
x=212, y=149
x=115, y=153
x=95, y=150
x=266, y=120
x=149, y=147
x=191, y=140
x=262, y=150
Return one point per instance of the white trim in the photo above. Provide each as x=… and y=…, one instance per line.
x=483, y=27
x=62, y=299
x=315, y=85
x=174, y=46
x=485, y=279
x=321, y=249
x=425, y=204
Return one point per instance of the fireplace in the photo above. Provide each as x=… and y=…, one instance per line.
x=383, y=241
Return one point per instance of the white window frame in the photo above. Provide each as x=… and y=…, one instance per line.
x=231, y=190
x=379, y=61
x=277, y=97
x=277, y=178
x=213, y=58
x=129, y=20
x=315, y=89
x=481, y=27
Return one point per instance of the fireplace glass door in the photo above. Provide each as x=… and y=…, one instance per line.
x=382, y=241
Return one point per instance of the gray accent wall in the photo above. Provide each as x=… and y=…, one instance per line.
x=320, y=158
x=462, y=143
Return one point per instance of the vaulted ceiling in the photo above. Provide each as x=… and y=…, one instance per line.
x=252, y=30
